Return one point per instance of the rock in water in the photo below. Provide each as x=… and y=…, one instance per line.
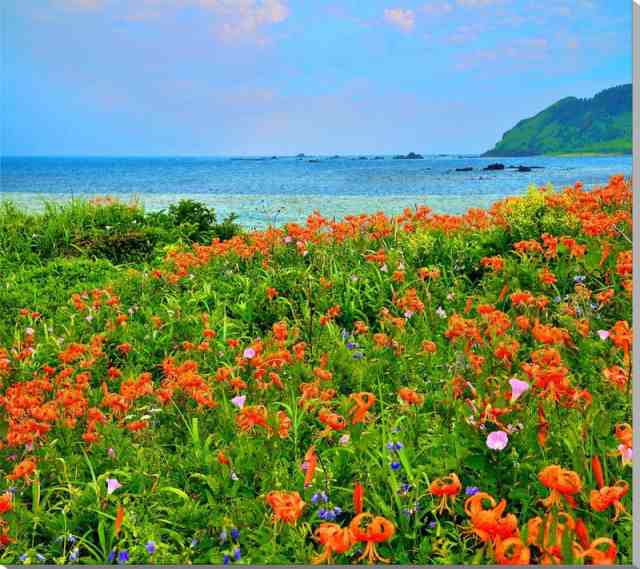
x=495, y=166
x=465, y=169
x=410, y=156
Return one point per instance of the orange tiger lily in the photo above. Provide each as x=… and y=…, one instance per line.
x=364, y=401
x=6, y=502
x=311, y=463
x=447, y=488
x=119, y=519
x=597, y=556
x=358, y=498
x=376, y=530
x=287, y=506
x=410, y=397
x=332, y=420
x=512, y=551
x=562, y=483
x=23, y=470
x=335, y=540
x=547, y=535
x=610, y=496
x=488, y=523
x=596, y=467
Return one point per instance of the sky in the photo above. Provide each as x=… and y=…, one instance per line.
x=279, y=77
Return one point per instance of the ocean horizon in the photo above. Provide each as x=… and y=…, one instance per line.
x=264, y=190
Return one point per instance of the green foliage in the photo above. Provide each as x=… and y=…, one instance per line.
x=601, y=125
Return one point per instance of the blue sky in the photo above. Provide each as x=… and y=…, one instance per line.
x=262, y=77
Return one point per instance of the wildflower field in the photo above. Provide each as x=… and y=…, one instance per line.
x=421, y=389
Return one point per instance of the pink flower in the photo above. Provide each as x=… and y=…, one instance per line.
x=239, y=400
x=517, y=388
x=344, y=440
x=249, y=354
x=604, y=334
x=112, y=485
x=626, y=453
x=497, y=440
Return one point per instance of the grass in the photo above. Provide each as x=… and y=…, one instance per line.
x=177, y=391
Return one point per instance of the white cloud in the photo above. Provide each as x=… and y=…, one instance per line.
x=437, y=8
x=244, y=19
x=403, y=19
x=82, y=4
x=478, y=3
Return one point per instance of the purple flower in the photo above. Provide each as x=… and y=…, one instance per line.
x=395, y=465
x=151, y=547
x=471, y=490
x=226, y=559
x=432, y=524
x=497, y=440
x=351, y=345
x=239, y=400
x=517, y=388
x=112, y=485
x=249, y=354
x=110, y=558
x=235, y=534
x=123, y=557
x=237, y=554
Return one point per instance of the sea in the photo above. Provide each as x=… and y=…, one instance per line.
x=266, y=190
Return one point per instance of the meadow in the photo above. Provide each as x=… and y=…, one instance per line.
x=423, y=389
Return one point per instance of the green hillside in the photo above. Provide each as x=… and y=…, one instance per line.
x=599, y=125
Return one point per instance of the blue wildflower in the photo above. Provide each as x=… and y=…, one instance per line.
x=432, y=524
x=226, y=559
x=237, y=554
x=23, y=557
x=351, y=345
x=235, y=534
x=471, y=490
x=73, y=556
x=395, y=465
x=40, y=557
x=111, y=556
x=151, y=547
x=223, y=536
x=123, y=557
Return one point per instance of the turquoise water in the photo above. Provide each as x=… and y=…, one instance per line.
x=265, y=190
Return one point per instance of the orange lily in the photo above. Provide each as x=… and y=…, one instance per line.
x=597, y=556
x=335, y=540
x=610, y=496
x=512, y=551
x=23, y=470
x=119, y=520
x=562, y=483
x=358, y=497
x=447, y=488
x=377, y=530
x=488, y=523
x=364, y=401
x=311, y=463
x=286, y=506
